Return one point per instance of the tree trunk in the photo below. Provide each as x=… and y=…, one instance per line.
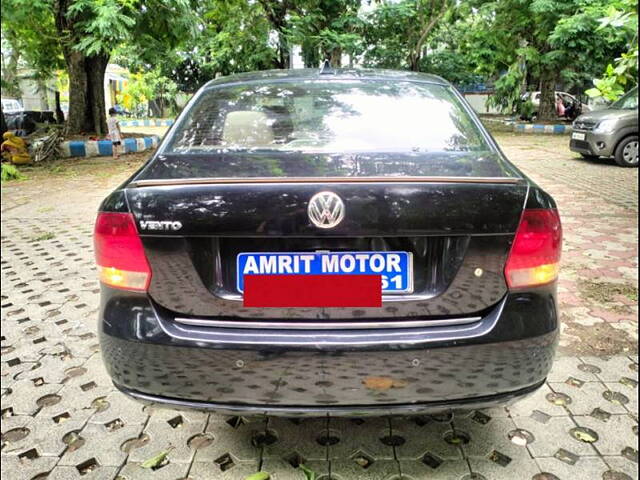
x=96, y=67
x=414, y=62
x=547, y=108
x=76, y=119
x=335, y=57
x=284, y=56
x=59, y=112
x=86, y=78
x=276, y=12
x=86, y=93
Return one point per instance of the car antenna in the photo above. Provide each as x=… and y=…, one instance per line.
x=326, y=68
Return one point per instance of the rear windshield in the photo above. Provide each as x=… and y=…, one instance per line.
x=327, y=116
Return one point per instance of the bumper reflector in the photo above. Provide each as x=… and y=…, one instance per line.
x=306, y=291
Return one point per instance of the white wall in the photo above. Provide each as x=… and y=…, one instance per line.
x=32, y=98
x=478, y=102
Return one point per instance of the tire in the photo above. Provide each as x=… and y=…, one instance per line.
x=589, y=157
x=627, y=152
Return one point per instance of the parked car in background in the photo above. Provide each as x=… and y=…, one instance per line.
x=25, y=122
x=610, y=132
x=339, y=242
x=10, y=106
x=21, y=121
x=120, y=110
x=573, y=106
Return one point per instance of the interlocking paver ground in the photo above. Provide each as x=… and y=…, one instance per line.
x=62, y=417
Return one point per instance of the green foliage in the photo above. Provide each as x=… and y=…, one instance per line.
x=526, y=109
x=557, y=41
x=451, y=65
x=29, y=33
x=103, y=23
x=144, y=87
x=136, y=94
x=326, y=29
x=233, y=36
x=507, y=89
x=177, y=45
x=397, y=32
x=11, y=172
x=623, y=73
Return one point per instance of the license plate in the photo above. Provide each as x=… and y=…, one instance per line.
x=395, y=268
x=578, y=136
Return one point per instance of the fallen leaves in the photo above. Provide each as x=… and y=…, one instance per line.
x=259, y=476
x=383, y=383
x=156, y=461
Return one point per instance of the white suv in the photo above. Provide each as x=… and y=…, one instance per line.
x=567, y=99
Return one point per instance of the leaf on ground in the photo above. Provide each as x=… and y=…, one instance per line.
x=384, y=383
x=155, y=461
x=259, y=476
x=308, y=473
x=378, y=383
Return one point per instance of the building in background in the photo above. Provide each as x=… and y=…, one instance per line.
x=115, y=82
x=39, y=95
x=35, y=94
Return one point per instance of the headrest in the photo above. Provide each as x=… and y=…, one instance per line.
x=247, y=128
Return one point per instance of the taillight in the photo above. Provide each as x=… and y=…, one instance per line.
x=535, y=254
x=119, y=252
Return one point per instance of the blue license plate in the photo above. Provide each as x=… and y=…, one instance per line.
x=395, y=268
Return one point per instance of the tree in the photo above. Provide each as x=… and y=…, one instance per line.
x=543, y=41
x=28, y=39
x=233, y=36
x=397, y=32
x=621, y=18
x=325, y=29
x=277, y=13
x=85, y=33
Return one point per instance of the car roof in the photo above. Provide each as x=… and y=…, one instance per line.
x=332, y=74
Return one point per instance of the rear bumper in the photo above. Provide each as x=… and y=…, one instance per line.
x=505, y=355
x=422, y=408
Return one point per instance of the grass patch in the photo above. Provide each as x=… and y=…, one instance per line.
x=11, y=172
x=43, y=236
x=605, y=292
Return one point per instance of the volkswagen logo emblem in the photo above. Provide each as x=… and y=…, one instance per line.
x=326, y=209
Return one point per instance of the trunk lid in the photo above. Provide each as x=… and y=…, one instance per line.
x=455, y=212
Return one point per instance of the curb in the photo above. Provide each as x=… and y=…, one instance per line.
x=148, y=122
x=548, y=129
x=104, y=148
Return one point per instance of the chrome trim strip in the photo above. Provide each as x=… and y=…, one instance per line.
x=304, y=325
x=390, y=297
x=320, y=180
x=413, y=336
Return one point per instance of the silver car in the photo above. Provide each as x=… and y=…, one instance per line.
x=612, y=132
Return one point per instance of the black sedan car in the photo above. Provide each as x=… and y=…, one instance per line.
x=335, y=242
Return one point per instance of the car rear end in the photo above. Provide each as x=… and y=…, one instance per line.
x=473, y=321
